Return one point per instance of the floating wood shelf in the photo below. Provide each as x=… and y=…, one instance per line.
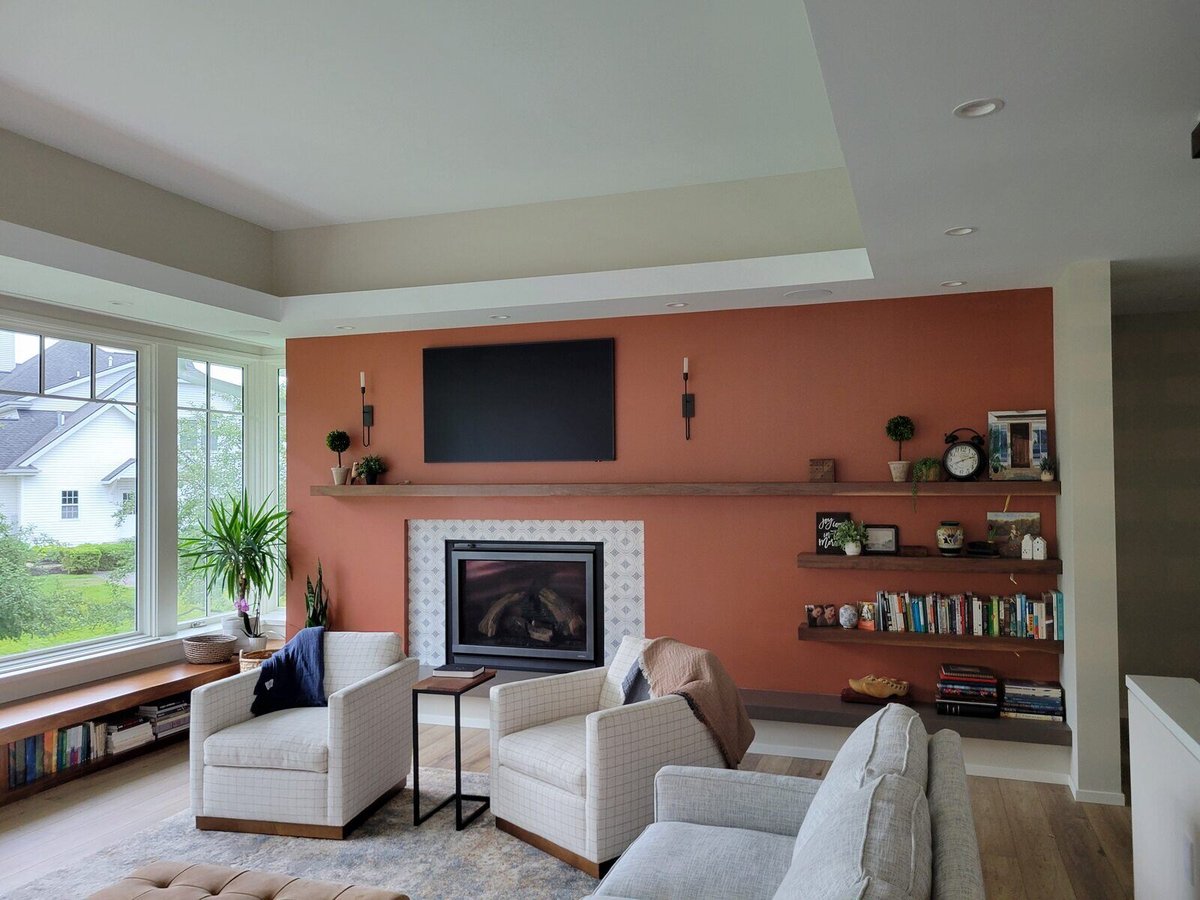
x=938, y=563
x=839, y=635
x=698, y=489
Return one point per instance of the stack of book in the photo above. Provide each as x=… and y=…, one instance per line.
x=967, y=691
x=1039, y=700
x=45, y=754
x=167, y=717
x=127, y=732
x=973, y=614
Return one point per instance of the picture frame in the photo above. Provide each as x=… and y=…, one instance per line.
x=827, y=523
x=1005, y=530
x=821, y=615
x=882, y=540
x=1018, y=441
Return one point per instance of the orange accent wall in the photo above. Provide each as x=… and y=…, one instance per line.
x=773, y=388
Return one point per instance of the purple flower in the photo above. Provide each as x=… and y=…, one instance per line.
x=241, y=605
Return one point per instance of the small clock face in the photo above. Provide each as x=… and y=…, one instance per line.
x=963, y=460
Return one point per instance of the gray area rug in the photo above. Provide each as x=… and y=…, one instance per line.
x=430, y=862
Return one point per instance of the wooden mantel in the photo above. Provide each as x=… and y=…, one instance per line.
x=698, y=489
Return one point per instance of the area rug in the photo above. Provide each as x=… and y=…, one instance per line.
x=430, y=862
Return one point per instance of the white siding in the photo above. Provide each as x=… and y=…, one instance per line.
x=10, y=498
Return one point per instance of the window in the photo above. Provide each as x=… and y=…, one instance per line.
x=211, y=463
x=68, y=564
x=281, y=458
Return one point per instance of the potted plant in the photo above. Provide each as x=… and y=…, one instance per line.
x=316, y=600
x=900, y=429
x=850, y=536
x=339, y=443
x=1049, y=467
x=369, y=468
x=927, y=468
x=240, y=552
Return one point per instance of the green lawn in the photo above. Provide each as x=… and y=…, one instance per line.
x=91, y=605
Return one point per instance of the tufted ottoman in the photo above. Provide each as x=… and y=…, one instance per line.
x=165, y=880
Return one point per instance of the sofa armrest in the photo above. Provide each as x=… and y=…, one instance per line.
x=370, y=738
x=527, y=704
x=733, y=799
x=215, y=707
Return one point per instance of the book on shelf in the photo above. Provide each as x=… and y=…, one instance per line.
x=1038, y=700
x=967, y=708
x=458, y=670
x=1018, y=615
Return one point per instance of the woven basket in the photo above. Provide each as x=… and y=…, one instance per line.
x=209, y=648
x=252, y=659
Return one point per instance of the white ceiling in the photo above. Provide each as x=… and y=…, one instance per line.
x=292, y=113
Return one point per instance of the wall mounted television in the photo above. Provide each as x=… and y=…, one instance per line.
x=539, y=402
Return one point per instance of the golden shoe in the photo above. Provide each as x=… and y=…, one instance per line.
x=880, y=687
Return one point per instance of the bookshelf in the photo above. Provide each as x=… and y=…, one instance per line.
x=839, y=635
x=961, y=564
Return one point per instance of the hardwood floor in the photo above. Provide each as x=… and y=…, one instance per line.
x=1037, y=843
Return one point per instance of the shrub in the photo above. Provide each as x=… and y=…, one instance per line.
x=81, y=560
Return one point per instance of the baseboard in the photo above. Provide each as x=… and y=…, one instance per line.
x=1106, y=798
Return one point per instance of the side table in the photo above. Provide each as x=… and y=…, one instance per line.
x=453, y=687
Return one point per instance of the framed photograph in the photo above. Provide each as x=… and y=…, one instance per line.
x=1006, y=529
x=821, y=616
x=1018, y=441
x=882, y=539
x=827, y=523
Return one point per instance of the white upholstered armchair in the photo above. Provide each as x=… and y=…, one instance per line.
x=573, y=769
x=312, y=771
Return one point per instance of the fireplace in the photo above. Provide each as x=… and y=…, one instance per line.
x=525, y=605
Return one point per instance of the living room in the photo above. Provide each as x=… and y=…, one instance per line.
x=818, y=346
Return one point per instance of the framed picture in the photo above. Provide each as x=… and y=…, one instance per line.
x=882, y=539
x=827, y=523
x=821, y=616
x=1018, y=441
x=1006, y=529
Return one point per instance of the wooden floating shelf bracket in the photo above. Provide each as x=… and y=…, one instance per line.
x=698, y=489
x=839, y=635
x=938, y=563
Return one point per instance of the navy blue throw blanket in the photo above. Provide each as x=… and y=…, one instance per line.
x=293, y=676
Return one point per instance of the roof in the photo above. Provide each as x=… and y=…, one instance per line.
x=28, y=429
x=118, y=471
x=65, y=361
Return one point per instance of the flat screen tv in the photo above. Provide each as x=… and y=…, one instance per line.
x=520, y=402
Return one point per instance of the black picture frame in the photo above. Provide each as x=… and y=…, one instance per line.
x=882, y=540
x=827, y=523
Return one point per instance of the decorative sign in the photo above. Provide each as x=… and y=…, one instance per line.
x=822, y=471
x=826, y=523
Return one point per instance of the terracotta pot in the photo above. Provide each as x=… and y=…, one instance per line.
x=900, y=469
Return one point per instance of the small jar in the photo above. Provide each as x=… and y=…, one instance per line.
x=950, y=538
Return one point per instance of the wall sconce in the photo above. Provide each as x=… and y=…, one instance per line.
x=368, y=411
x=689, y=404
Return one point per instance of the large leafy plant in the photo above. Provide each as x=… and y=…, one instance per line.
x=316, y=600
x=240, y=551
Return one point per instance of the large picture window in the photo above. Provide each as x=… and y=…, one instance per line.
x=68, y=458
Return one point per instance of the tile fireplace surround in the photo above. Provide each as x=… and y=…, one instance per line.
x=624, y=572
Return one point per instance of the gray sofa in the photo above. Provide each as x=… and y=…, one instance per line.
x=891, y=820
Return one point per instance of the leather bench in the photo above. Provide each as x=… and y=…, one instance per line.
x=185, y=881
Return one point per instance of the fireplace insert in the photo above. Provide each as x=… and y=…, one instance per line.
x=535, y=606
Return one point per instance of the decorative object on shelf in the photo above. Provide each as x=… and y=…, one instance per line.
x=927, y=468
x=689, y=404
x=822, y=471
x=1007, y=529
x=913, y=550
x=867, y=615
x=983, y=550
x=1018, y=441
x=827, y=524
x=849, y=695
x=1049, y=467
x=964, y=459
x=1040, y=549
x=249, y=660
x=883, y=540
x=240, y=551
x=900, y=429
x=316, y=600
x=950, y=538
x=339, y=443
x=368, y=411
x=1027, y=547
x=879, y=686
x=204, y=649
x=821, y=615
x=369, y=468
x=848, y=616
x=850, y=536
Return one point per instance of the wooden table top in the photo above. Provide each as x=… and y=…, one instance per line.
x=442, y=684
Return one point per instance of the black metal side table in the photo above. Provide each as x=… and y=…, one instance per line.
x=453, y=687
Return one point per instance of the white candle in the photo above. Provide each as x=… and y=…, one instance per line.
x=362, y=379
x=685, y=365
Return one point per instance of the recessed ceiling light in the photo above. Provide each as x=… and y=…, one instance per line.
x=676, y=305
x=345, y=328
x=961, y=230
x=807, y=293
x=499, y=318
x=975, y=109
x=249, y=332
x=953, y=283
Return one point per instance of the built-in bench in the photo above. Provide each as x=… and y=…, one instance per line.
x=62, y=709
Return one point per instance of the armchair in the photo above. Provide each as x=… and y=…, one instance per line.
x=573, y=769
x=313, y=771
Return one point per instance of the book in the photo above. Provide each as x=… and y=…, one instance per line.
x=964, y=708
x=458, y=670
x=956, y=672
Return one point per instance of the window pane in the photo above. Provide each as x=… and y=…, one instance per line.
x=224, y=477
x=68, y=368
x=192, y=384
x=116, y=374
x=193, y=495
x=225, y=388
x=20, y=362
x=282, y=408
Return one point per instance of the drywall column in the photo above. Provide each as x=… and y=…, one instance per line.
x=1083, y=399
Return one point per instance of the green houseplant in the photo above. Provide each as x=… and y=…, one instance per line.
x=850, y=536
x=339, y=443
x=240, y=552
x=900, y=429
x=1049, y=467
x=369, y=468
x=927, y=468
x=316, y=600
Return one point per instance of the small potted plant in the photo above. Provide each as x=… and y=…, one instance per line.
x=850, y=536
x=316, y=600
x=369, y=468
x=900, y=429
x=927, y=468
x=1049, y=467
x=339, y=443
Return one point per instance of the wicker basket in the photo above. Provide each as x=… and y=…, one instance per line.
x=209, y=648
x=252, y=659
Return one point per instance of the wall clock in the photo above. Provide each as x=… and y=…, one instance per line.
x=964, y=460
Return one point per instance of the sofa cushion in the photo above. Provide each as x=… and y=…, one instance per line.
x=682, y=861
x=350, y=656
x=891, y=742
x=289, y=739
x=612, y=692
x=554, y=753
x=875, y=846
x=178, y=880
x=957, y=870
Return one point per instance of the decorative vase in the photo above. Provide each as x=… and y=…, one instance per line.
x=848, y=616
x=950, y=538
x=900, y=468
x=340, y=474
x=256, y=643
x=853, y=549
x=1047, y=475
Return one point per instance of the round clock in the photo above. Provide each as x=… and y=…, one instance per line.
x=964, y=460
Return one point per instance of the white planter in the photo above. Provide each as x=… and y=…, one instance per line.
x=853, y=549
x=900, y=469
x=256, y=643
x=340, y=474
x=1047, y=476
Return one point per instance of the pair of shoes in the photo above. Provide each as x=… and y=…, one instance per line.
x=880, y=686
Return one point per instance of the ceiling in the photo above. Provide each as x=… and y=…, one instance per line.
x=295, y=113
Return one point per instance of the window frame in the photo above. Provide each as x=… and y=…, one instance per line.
x=68, y=500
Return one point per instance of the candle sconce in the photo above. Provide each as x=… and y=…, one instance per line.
x=689, y=404
x=368, y=410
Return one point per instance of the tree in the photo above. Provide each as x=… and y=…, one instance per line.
x=19, y=613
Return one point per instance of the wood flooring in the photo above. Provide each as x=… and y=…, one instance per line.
x=1037, y=843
